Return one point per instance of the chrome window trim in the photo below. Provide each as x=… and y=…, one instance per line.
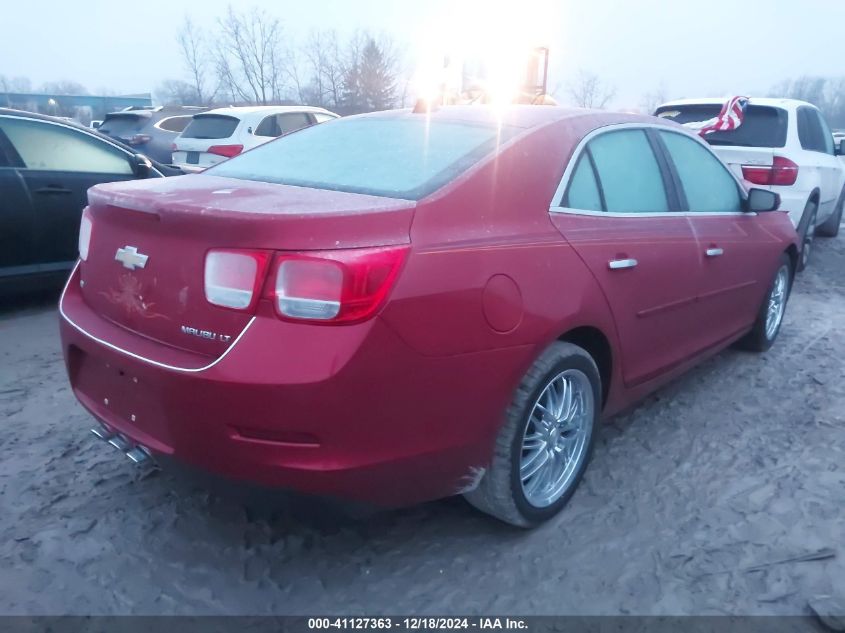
x=101, y=139
x=579, y=150
x=149, y=361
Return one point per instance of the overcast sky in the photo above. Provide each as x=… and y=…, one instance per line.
x=698, y=48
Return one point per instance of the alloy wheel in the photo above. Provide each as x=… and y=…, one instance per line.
x=777, y=302
x=557, y=433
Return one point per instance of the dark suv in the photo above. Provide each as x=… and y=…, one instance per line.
x=149, y=130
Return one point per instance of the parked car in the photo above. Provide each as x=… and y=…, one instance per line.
x=46, y=167
x=149, y=130
x=219, y=134
x=398, y=307
x=785, y=146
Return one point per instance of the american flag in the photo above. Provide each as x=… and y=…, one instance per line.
x=729, y=118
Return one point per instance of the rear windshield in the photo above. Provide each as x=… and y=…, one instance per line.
x=762, y=126
x=404, y=158
x=211, y=126
x=122, y=124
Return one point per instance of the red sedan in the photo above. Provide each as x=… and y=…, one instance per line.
x=399, y=307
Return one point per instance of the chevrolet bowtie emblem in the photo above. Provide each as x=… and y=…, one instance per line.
x=131, y=258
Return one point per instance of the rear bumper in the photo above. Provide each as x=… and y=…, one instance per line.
x=346, y=412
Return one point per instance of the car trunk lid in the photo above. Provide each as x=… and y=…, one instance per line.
x=145, y=268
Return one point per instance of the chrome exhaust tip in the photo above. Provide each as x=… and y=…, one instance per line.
x=120, y=443
x=139, y=455
x=101, y=432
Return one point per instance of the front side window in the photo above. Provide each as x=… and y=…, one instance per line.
x=404, y=157
x=628, y=172
x=707, y=184
x=48, y=147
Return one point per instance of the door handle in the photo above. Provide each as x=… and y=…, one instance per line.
x=53, y=190
x=714, y=252
x=619, y=264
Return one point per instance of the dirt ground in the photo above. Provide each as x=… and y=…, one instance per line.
x=697, y=502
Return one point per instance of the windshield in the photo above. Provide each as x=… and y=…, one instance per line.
x=403, y=157
x=762, y=126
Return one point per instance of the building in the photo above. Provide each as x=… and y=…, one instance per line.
x=83, y=108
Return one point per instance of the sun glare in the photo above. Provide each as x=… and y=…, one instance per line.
x=485, y=52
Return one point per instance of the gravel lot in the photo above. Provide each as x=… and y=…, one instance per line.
x=695, y=503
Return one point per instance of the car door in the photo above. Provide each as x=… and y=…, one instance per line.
x=817, y=143
x=17, y=228
x=736, y=253
x=59, y=164
x=834, y=174
x=616, y=210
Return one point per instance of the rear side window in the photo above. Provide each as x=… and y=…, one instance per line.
x=174, y=123
x=404, y=157
x=628, y=172
x=762, y=126
x=123, y=125
x=706, y=182
x=322, y=118
x=48, y=147
x=813, y=132
x=583, y=192
x=281, y=124
x=211, y=126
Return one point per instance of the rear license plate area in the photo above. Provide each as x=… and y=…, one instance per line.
x=122, y=400
x=193, y=158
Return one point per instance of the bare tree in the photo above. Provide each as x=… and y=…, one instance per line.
x=176, y=92
x=195, y=57
x=324, y=63
x=64, y=87
x=651, y=100
x=249, y=59
x=588, y=91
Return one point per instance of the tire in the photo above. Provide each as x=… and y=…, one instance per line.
x=830, y=227
x=528, y=434
x=762, y=337
x=807, y=235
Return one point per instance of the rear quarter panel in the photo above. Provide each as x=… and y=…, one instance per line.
x=488, y=270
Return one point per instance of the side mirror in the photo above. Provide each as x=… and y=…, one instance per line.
x=142, y=167
x=839, y=150
x=762, y=200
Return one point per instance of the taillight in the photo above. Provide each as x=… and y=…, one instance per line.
x=173, y=147
x=782, y=172
x=233, y=278
x=139, y=139
x=85, y=228
x=226, y=150
x=335, y=287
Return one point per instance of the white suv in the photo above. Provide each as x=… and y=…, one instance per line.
x=214, y=136
x=783, y=145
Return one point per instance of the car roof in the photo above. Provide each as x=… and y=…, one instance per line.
x=776, y=102
x=239, y=111
x=520, y=116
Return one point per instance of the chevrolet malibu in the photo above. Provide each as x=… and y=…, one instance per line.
x=403, y=306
